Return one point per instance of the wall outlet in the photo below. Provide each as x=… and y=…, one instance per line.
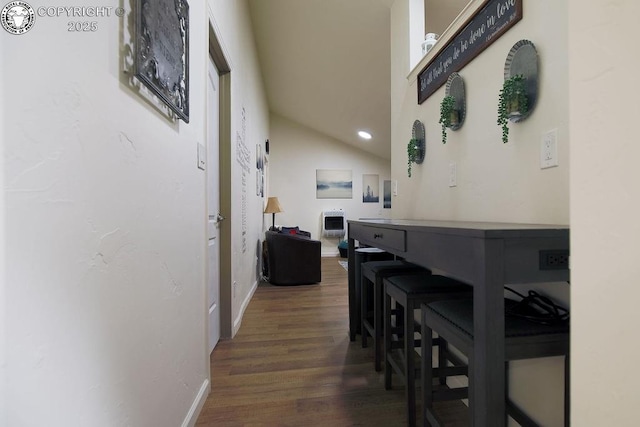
x=549, y=149
x=554, y=260
x=453, y=174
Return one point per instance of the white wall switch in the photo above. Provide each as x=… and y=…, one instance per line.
x=202, y=156
x=395, y=187
x=453, y=174
x=549, y=149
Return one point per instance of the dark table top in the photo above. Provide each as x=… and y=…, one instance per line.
x=470, y=228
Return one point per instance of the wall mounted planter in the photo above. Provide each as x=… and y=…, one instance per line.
x=519, y=92
x=453, y=105
x=416, y=147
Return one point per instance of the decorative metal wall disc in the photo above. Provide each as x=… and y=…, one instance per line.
x=523, y=59
x=418, y=133
x=455, y=88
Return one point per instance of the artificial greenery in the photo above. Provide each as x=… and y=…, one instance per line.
x=512, y=98
x=447, y=111
x=413, y=151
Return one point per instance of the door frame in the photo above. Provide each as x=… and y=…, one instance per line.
x=212, y=187
x=219, y=57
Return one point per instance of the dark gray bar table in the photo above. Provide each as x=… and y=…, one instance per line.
x=483, y=254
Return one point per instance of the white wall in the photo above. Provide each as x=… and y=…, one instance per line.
x=105, y=214
x=295, y=154
x=439, y=14
x=495, y=181
x=249, y=122
x=3, y=271
x=604, y=212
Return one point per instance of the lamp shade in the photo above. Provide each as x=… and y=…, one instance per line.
x=273, y=205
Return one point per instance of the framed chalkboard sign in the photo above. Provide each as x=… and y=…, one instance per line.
x=492, y=20
x=162, y=51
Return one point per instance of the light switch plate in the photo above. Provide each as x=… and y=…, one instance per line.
x=549, y=149
x=453, y=174
x=202, y=156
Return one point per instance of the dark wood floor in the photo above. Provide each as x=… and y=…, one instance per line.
x=292, y=364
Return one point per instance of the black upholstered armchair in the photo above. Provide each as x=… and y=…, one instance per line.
x=292, y=259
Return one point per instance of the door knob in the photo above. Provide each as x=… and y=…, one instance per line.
x=216, y=217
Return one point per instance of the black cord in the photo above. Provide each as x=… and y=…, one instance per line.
x=537, y=308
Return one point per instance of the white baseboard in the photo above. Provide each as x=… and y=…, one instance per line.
x=326, y=254
x=196, y=406
x=238, y=320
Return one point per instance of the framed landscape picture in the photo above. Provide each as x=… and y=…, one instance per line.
x=386, y=194
x=370, y=189
x=334, y=184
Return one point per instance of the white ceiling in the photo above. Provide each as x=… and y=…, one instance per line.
x=325, y=65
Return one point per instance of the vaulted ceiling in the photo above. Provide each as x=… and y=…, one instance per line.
x=326, y=63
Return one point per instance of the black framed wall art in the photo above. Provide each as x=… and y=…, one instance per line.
x=162, y=51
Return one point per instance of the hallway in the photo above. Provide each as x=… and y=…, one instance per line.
x=291, y=364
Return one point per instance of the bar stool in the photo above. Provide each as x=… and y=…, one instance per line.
x=409, y=292
x=453, y=320
x=372, y=309
x=361, y=255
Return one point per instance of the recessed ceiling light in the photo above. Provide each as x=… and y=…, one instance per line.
x=364, y=135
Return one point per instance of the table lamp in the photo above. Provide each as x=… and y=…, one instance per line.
x=273, y=207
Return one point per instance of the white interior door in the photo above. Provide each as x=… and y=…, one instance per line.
x=213, y=204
